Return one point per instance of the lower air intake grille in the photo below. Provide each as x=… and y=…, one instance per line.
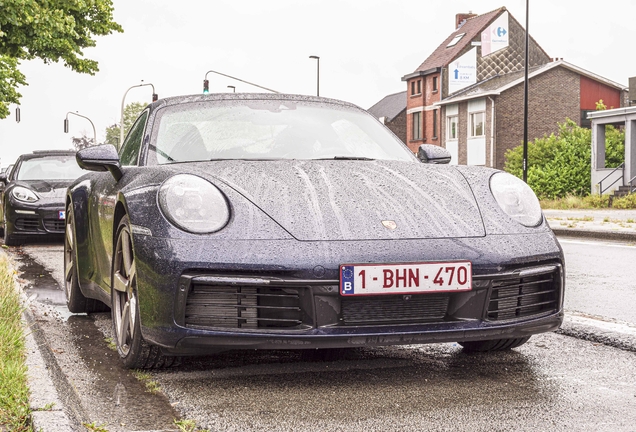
x=394, y=309
x=27, y=223
x=54, y=225
x=242, y=307
x=520, y=297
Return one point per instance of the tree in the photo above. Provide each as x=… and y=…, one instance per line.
x=53, y=30
x=131, y=112
x=82, y=142
x=560, y=165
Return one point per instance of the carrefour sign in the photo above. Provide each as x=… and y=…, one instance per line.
x=495, y=37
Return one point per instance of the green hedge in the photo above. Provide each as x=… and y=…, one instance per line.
x=560, y=165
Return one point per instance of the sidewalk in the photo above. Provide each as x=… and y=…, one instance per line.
x=603, y=224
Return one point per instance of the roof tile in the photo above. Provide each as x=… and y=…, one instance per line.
x=443, y=55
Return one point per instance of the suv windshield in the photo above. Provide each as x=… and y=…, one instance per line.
x=58, y=167
x=271, y=129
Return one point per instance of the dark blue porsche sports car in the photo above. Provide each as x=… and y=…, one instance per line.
x=241, y=221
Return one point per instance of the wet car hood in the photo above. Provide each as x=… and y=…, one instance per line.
x=355, y=200
x=46, y=188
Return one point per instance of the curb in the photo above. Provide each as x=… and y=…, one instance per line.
x=44, y=375
x=594, y=234
x=612, y=333
x=47, y=412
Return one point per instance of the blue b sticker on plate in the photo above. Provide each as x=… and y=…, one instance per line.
x=346, y=280
x=61, y=215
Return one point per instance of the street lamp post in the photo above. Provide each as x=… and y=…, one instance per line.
x=121, y=118
x=206, y=88
x=233, y=88
x=317, y=73
x=79, y=115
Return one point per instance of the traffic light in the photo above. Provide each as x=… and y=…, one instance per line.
x=206, y=86
x=155, y=96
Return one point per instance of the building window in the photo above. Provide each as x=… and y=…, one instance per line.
x=435, y=84
x=456, y=39
x=416, y=90
x=452, y=128
x=434, y=124
x=476, y=126
x=417, y=125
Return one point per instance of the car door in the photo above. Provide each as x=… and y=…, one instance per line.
x=105, y=190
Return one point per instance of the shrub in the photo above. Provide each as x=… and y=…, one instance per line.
x=560, y=165
x=626, y=202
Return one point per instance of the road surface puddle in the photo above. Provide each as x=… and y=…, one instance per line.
x=109, y=394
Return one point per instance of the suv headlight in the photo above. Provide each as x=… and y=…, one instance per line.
x=23, y=194
x=193, y=204
x=516, y=199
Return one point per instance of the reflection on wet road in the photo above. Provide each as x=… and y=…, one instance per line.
x=553, y=382
x=109, y=394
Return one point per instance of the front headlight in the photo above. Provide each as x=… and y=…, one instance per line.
x=516, y=199
x=193, y=204
x=23, y=194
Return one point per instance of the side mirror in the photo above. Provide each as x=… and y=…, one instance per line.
x=100, y=158
x=433, y=154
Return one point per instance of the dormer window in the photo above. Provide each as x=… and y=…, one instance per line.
x=455, y=40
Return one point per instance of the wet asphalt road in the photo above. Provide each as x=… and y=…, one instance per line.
x=600, y=278
x=553, y=382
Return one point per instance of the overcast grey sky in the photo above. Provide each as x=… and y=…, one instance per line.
x=365, y=47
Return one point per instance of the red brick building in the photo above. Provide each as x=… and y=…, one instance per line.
x=467, y=95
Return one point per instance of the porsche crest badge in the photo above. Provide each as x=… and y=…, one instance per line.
x=389, y=224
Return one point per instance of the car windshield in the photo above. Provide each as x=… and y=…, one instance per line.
x=271, y=130
x=58, y=167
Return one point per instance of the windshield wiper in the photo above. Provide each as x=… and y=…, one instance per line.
x=347, y=158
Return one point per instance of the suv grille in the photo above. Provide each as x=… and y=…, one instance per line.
x=518, y=297
x=242, y=307
x=394, y=309
x=54, y=225
x=27, y=223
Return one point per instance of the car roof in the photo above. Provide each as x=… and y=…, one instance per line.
x=44, y=153
x=176, y=100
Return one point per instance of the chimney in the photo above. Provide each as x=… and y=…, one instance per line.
x=460, y=18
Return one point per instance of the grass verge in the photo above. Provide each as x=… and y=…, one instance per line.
x=590, y=202
x=14, y=393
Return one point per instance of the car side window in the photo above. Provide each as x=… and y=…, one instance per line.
x=129, y=153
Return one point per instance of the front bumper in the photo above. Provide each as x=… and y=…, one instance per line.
x=229, y=312
x=36, y=219
x=204, y=304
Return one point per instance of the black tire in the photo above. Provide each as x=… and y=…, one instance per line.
x=134, y=351
x=10, y=239
x=325, y=354
x=493, y=345
x=75, y=299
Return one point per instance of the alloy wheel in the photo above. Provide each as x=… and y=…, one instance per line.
x=69, y=251
x=124, y=292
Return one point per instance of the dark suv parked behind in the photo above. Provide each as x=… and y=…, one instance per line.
x=32, y=202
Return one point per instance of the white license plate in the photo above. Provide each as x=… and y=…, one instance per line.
x=61, y=215
x=411, y=278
